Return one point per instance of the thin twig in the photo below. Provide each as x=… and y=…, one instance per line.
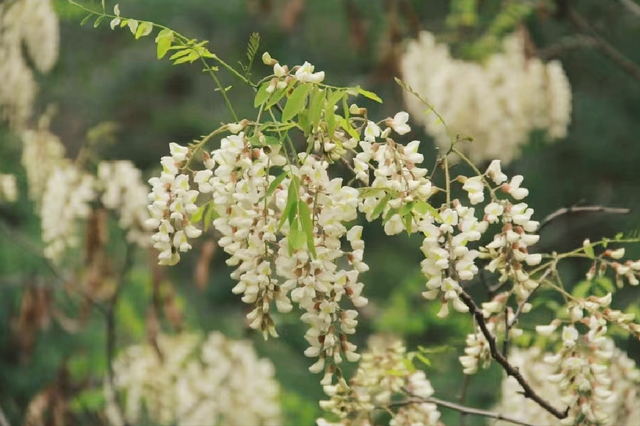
x=582, y=209
x=508, y=368
x=514, y=320
x=605, y=48
x=462, y=395
x=461, y=408
x=567, y=43
x=631, y=7
x=110, y=320
x=3, y=419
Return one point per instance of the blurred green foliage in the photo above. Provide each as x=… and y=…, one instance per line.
x=104, y=76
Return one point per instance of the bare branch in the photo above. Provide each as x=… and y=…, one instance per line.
x=605, y=48
x=582, y=209
x=462, y=409
x=3, y=419
x=631, y=7
x=110, y=321
x=567, y=43
x=512, y=371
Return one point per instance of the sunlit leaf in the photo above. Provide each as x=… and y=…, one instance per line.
x=164, y=40
x=296, y=102
x=276, y=182
x=144, y=29
x=262, y=95
x=370, y=95
x=307, y=226
x=380, y=207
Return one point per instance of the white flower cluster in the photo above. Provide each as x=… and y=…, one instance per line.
x=448, y=261
x=383, y=374
x=67, y=197
x=173, y=204
x=599, y=381
x=212, y=381
x=124, y=191
x=64, y=193
x=498, y=103
x=34, y=24
x=42, y=152
x=8, y=188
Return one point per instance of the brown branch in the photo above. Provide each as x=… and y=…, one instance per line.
x=605, y=48
x=566, y=43
x=582, y=209
x=3, y=419
x=508, y=368
x=461, y=408
x=461, y=397
x=631, y=6
x=110, y=320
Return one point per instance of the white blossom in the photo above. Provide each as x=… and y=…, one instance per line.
x=475, y=99
x=198, y=381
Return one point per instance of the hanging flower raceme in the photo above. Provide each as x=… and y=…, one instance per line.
x=124, y=192
x=384, y=374
x=66, y=200
x=32, y=24
x=173, y=204
x=474, y=98
x=194, y=380
x=8, y=188
x=598, y=381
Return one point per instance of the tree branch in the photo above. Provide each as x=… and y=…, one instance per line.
x=566, y=43
x=571, y=210
x=508, y=368
x=631, y=7
x=461, y=408
x=605, y=48
x=3, y=419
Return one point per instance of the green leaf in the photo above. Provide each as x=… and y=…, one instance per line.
x=270, y=140
x=330, y=115
x=423, y=359
x=380, y=207
x=307, y=226
x=144, y=29
x=315, y=108
x=279, y=94
x=406, y=221
x=368, y=192
x=391, y=213
x=133, y=25
x=86, y=18
x=88, y=400
x=292, y=203
x=606, y=284
x=164, y=40
x=344, y=123
x=185, y=51
x=303, y=119
x=296, y=102
x=370, y=95
x=588, y=249
x=297, y=237
x=581, y=289
x=199, y=214
x=262, y=95
x=276, y=182
x=97, y=22
x=423, y=207
x=209, y=217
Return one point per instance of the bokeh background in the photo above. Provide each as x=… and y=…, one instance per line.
x=109, y=83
